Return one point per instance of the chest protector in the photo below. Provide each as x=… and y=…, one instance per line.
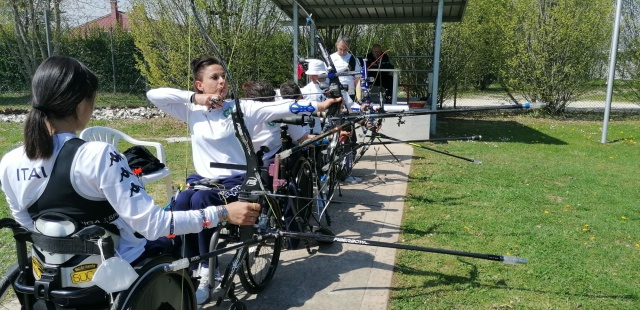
x=61, y=212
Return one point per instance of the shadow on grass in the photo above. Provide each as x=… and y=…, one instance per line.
x=452, y=283
x=410, y=234
x=493, y=131
x=426, y=199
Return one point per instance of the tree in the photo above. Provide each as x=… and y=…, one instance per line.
x=481, y=35
x=628, y=64
x=97, y=48
x=10, y=69
x=470, y=50
x=247, y=33
x=23, y=36
x=409, y=40
x=551, y=47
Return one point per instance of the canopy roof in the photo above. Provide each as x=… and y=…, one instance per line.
x=341, y=12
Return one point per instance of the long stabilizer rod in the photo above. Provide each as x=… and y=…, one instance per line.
x=511, y=260
x=525, y=106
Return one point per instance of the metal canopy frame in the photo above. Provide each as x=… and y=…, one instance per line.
x=342, y=12
x=362, y=12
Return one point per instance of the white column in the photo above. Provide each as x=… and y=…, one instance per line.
x=436, y=65
x=294, y=16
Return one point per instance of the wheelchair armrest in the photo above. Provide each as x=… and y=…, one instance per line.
x=8, y=223
x=21, y=233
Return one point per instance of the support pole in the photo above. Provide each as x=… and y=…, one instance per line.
x=612, y=71
x=47, y=30
x=436, y=65
x=312, y=42
x=295, y=41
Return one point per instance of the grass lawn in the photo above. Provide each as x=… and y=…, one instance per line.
x=547, y=190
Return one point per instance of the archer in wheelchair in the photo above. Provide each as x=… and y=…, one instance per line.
x=217, y=155
x=92, y=226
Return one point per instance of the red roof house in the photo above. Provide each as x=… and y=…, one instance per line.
x=114, y=19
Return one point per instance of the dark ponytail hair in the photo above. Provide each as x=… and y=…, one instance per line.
x=198, y=65
x=59, y=85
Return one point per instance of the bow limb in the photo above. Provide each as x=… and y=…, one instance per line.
x=213, y=45
x=253, y=182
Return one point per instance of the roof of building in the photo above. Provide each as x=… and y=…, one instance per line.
x=114, y=18
x=341, y=12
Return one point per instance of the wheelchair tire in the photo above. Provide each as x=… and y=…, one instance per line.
x=335, y=165
x=238, y=306
x=261, y=261
x=260, y=264
x=303, y=178
x=6, y=292
x=157, y=289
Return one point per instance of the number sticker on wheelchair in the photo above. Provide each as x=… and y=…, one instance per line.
x=83, y=273
x=37, y=267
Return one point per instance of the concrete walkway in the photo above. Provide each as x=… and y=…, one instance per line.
x=340, y=275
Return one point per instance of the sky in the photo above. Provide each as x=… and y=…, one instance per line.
x=81, y=11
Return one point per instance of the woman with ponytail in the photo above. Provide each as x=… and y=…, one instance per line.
x=90, y=183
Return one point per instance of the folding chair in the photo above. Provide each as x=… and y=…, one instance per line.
x=112, y=136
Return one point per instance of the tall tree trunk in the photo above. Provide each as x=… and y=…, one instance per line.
x=57, y=32
x=21, y=38
x=36, y=35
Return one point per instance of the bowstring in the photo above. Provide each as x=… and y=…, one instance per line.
x=235, y=39
x=187, y=150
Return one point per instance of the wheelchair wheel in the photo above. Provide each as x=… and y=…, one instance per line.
x=303, y=178
x=7, y=298
x=261, y=261
x=238, y=306
x=157, y=289
x=331, y=169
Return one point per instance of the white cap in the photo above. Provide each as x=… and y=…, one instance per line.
x=316, y=67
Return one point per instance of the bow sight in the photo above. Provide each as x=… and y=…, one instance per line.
x=334, y=90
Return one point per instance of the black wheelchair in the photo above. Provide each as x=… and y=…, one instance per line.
x=305, y=189
x=34, y=283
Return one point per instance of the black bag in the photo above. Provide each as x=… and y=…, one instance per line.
x=139, y=157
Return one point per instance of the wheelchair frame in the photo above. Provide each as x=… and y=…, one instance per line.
x=46, y=293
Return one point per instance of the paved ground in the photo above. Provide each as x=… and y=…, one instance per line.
x=347, y=276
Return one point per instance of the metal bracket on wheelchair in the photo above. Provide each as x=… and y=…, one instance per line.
x=42, y=287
